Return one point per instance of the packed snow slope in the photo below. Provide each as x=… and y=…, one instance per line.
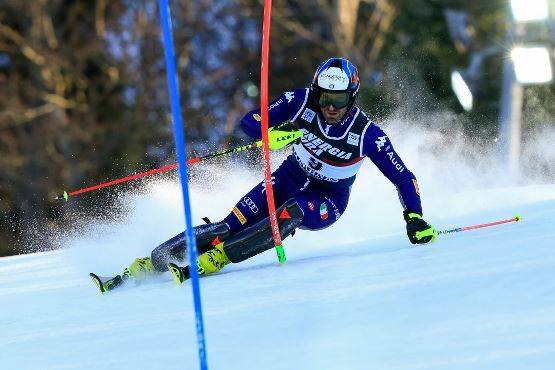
x=354, y=296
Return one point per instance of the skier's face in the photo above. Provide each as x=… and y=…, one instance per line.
x=333, y=115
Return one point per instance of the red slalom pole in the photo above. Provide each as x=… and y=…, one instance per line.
x=65, y=195
x=480, y=226
x=264, y=127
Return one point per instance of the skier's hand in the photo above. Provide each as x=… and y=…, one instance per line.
x=418, y=230
x=283, y=135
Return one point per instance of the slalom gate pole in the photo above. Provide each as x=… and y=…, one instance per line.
x=480, y=226
x=173, y=86
x=65, y=195
x=266, y=147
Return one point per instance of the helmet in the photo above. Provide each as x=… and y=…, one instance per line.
x=335, y=82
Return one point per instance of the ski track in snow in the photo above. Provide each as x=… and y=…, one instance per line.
x=354, y=296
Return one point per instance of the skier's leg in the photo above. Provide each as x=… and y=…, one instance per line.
x=259, y=238
x=311, y=209
x=248, y=221
x=251, y=241
x=250, y=209
x=245, y=244
x=140, y=269
x=174, y=249
x=321, y=209
x=287, y=181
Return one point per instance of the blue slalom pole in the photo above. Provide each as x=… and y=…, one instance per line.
x=173, y=86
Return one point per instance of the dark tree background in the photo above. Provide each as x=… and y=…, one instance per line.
x=83, y=94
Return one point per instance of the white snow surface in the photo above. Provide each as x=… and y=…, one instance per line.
x=357, y=295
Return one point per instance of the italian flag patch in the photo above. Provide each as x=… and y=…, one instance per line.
x=323, y=211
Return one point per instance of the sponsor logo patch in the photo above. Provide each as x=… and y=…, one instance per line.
x=286, y=137
x=381, y=142
x=318, y=146
x=335, y=209
x=311, y=206
x=257, y=117
x=205, y=228
x=289, y=95
x=395, y=162
x=415, y=183
x=333, y=78
x=308, y=115
x=239, y=215
x=275, y=104
x=284, y=214
x=249, y=203
x=273, y=178
x=312, y=172
x=353, y=138
x=323, y=211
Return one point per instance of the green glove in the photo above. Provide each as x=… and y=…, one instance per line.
x=283, y=135
x=418, y=230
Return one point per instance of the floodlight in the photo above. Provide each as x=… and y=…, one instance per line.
x=532, y=64
x=461, y=88
x=466, y=82
x=529, y=10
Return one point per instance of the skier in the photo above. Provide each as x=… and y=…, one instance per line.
x=311, y=187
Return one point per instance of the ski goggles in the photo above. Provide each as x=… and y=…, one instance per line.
x=338, y=99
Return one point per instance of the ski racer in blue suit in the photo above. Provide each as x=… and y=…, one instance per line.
x=311, y=187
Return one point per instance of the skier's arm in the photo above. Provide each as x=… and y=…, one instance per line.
x=378, y=148
x=283, y=109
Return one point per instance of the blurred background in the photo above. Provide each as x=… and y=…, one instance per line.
x=83, y=95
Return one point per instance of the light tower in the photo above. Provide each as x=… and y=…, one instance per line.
x=528, y=63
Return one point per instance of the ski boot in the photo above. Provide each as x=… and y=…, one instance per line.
x=174, y=250
x=139, y=270
x=105, y=284
x=207, y=263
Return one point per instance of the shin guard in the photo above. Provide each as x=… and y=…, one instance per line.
x=174, y=249
x=258, y=238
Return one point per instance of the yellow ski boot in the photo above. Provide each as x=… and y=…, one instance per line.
x=212, y=261
x=207, y=263
x=140, y=269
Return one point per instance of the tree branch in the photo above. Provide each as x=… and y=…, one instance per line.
x=25, y=48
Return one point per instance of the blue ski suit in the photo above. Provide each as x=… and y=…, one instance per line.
x=323, y=166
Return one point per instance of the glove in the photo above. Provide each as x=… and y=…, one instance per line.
x=283, y=135
x=418, y=230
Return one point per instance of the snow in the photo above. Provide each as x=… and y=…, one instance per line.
x=354, y=296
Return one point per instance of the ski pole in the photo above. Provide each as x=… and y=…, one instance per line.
x=479, y=226
x=65, y=195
